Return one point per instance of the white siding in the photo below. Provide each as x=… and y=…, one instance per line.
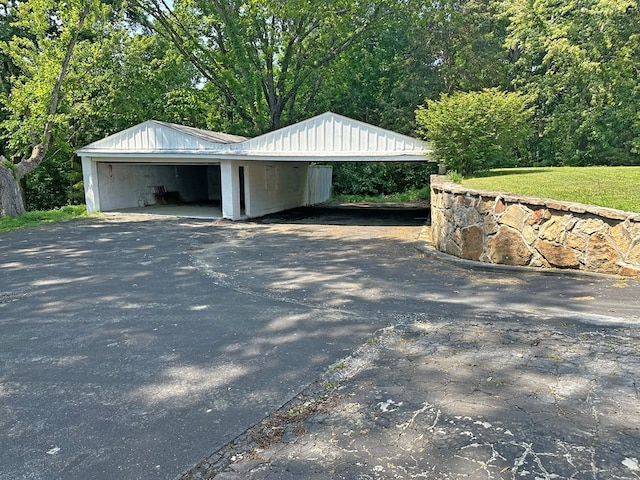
x=326, y=137
x=274, y=186
x=153, y=137
x=319, y=181
x=90, y=180
x=230, y=190
x=331, y=134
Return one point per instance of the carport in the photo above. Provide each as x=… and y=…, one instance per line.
x=158, y=164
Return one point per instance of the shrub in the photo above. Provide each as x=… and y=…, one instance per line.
x=379, y=178
x=473, y=131
x=454, y=176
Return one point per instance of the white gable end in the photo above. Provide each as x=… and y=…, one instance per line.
x=158, y=137
x=327, y=137
x=332, y=135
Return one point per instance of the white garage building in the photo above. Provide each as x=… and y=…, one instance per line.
x=236, y=177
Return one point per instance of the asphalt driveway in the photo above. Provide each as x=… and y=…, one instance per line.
x=134, y=347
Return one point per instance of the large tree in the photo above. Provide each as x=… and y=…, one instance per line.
x=8, y=69
x=128, y=78
x=420, y=50
x=41, y=55
x=580, y=60
x=260, y=58
x=467, y=37
x=386, y=74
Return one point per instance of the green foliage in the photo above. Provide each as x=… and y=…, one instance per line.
x=41, y=33
x=468, y=36
x=476, y=130
x=126, y=79
x=613, y=187
x=420, y=50
x=374, y=179
x=385, y=75
x=413, y=195
x=7, y=67
x=11, y=166
x=454, y=176
x=579, y=60
x=247, y=67
x=36, y=218
x=116, y=78
x=57, y=182
x=261, y=60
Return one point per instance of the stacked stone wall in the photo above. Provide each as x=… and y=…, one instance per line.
x=498, y=228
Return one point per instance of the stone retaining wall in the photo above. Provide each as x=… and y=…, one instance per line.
x=499, y=228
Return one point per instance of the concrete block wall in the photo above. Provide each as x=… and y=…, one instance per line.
x=498, y=228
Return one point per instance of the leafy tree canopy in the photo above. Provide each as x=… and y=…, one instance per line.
x=261, y=58
x=579, y=60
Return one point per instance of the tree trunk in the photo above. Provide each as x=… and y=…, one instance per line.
x=11, y=203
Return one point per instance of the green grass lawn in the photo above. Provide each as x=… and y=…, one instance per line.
x=38, y=217
x=613, y=187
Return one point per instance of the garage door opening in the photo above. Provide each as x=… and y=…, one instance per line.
x=178, y=190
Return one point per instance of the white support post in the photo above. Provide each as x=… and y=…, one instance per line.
x=230, y=180
x=90, y=180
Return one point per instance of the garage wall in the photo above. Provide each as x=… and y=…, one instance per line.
x=124, y=185
x=319, y=184
x=274, y=186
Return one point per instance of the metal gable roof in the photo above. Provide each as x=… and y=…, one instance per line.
x=161, y=137
x=332, y=135
x=326, y=137
x=208, y=135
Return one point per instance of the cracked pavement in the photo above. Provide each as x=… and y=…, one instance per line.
x=481, y=400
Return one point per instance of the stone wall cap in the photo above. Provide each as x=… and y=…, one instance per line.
x=440, y=183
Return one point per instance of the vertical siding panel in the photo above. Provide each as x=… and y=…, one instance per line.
x=345, y=131
x=149, y=136
x=313, y=134
x=332, y=133
x=318, y=184
x=300, y=143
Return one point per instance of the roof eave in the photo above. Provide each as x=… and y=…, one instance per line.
x=134, y=155
x=177, y=155
x=328, y=157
